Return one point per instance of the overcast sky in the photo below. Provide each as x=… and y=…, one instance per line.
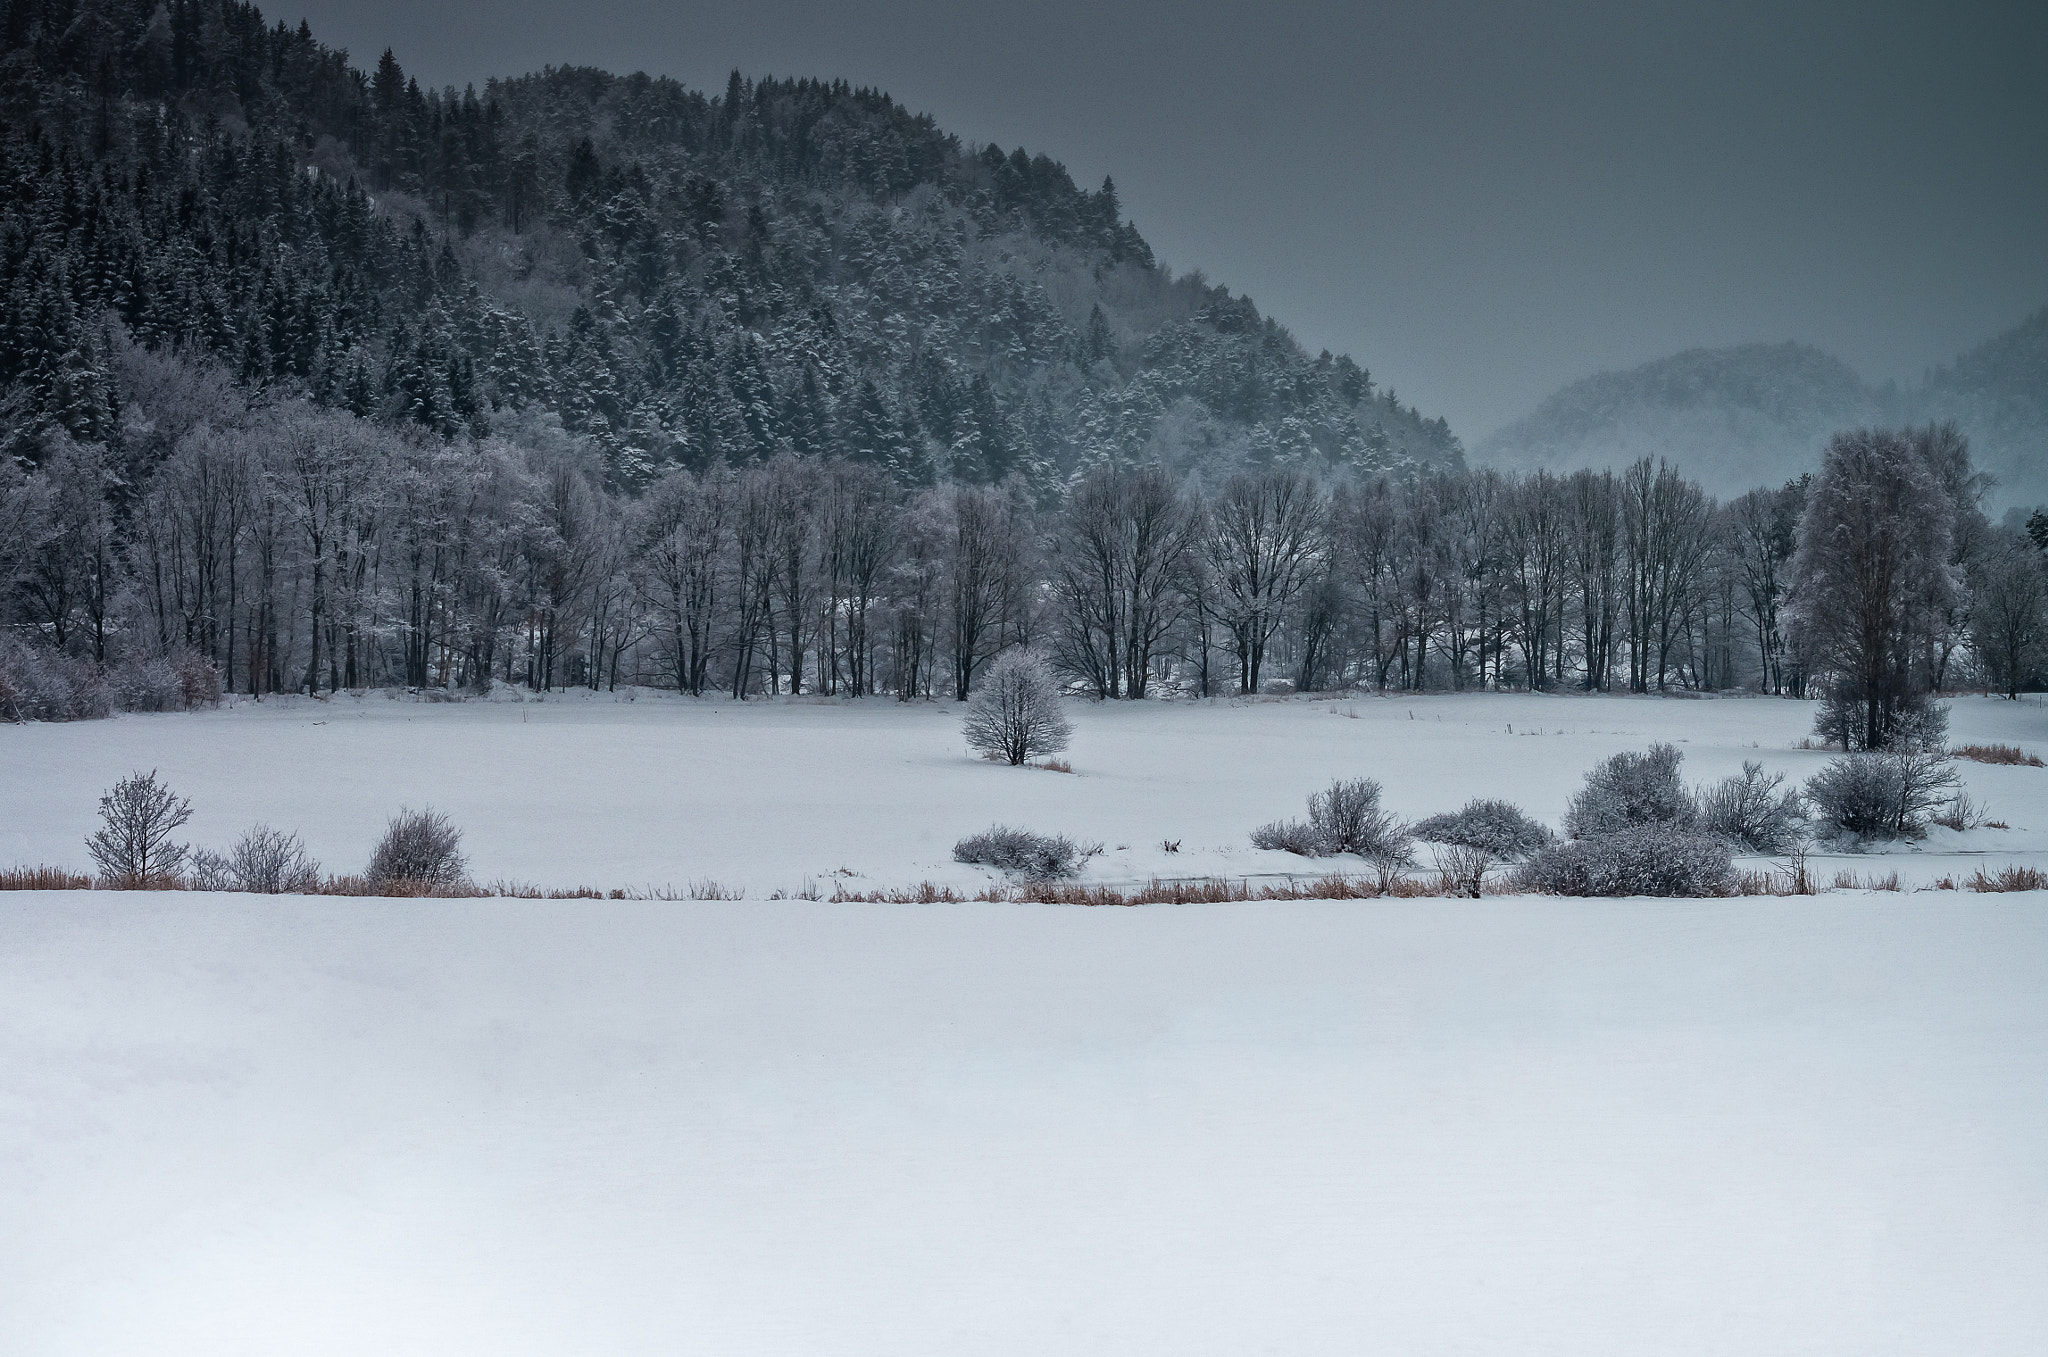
x=1480, y=202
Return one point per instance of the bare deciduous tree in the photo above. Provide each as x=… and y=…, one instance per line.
x=133, y=845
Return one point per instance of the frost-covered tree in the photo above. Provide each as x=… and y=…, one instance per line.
x=1016, y=713
x=1873, y=576
x=1266, y=540
x=2010, y=619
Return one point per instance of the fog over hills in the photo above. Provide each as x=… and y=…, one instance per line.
x=1759, y=414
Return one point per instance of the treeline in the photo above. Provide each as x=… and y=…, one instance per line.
x=686, y=281
x=294, y=548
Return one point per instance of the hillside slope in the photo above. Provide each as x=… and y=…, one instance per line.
x=684, y=279
x=1735, y=418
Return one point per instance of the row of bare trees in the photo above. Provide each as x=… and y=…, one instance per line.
x=306, y=550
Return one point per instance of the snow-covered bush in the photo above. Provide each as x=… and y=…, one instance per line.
x=1891, y=795
x=133, y=845
x=1630, y=789
x=1499, y=828
x=418, y=846
x=1290, y=836
x=269, y=862
x=38, y=684
x=1750, y=811
x=147, y=683
x=178, y=681
x=1347, y=818
x=1655, y=858
x=1040, y=856
x=1015, y=713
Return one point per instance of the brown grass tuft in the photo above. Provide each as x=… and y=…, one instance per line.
x=43, y=879
x=2008, y=879
x=1997, y=753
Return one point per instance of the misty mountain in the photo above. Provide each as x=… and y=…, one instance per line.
x=683, y=279
x=1759, y=414
x=1998, y=394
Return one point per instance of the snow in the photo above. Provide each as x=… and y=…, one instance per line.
x=797, y=796
x=242, y=1125
x=235, y=1125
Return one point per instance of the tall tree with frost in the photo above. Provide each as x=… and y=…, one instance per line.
x=2010, y=619
x=1872, y=574
x=1267, y=540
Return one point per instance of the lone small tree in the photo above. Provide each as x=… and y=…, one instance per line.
x=133, y=846
x=1016, y=711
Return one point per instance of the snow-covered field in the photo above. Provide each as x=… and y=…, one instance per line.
x=236, y=1125
x=249, y=1127
x=796, y=796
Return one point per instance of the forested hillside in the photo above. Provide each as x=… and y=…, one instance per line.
x=1757, y=413
x=311, y=379
x=684, y=280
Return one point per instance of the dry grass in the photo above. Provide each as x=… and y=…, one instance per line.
x=1997, y=753
x=42, y=879
x=1055, y=766
x=2008, y=879
x=1201, y=891
x=1196, y=891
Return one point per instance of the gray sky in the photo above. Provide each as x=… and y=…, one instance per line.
x=1480, y=202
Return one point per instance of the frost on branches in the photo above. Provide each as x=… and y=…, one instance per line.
x=1016, y=713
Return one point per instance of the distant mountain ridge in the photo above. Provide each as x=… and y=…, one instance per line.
x=1759, y=414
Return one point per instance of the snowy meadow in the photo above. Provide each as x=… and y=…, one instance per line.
x=236, y=1124
x=802, y=796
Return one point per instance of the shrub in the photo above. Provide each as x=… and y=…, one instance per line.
x=1039, y=856
x=1499, y=828
x=1289, y=836
x=1461, y=868
x=1749, y=811
x=1881, y=796
x=133, y=846
x=418, y=846
x=38, y=684
x=1015, y=713
x=207, y=870
x=1347, y=818
x=1962, y=813
x=179, y=681
x=271, y=862
x=1630, y=789
x=148, y=683
x=1658, y=858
